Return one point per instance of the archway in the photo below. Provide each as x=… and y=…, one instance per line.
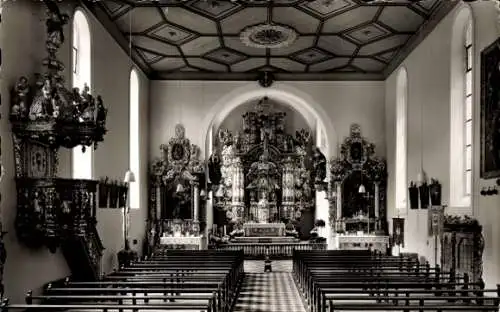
x=279, y=92
x=299, y=101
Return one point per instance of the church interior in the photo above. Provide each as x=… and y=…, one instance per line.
x=250, y=155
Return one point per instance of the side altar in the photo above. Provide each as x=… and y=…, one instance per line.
x=357, y=202
x=263, y=177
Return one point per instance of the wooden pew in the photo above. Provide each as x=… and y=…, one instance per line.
x=205, y=281
x=321, y=275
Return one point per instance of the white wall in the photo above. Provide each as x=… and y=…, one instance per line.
x=338, y=104
x=428, y=69
x=190, y=102
x=23, y=47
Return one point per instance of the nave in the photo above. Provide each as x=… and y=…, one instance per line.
x=213, y=281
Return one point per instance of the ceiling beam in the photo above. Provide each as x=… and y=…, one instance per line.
x=414, y=41
x=338, y=76
x=99, y=12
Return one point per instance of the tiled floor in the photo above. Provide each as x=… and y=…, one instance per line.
x=268, y=292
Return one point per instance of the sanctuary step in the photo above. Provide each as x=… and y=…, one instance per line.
x=257, y=240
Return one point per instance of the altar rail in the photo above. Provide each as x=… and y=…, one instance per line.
x=275, y=250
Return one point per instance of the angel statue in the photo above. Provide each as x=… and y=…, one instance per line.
x=55, y=22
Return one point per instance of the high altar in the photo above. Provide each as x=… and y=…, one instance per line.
x=357, y=184
x=264, y=178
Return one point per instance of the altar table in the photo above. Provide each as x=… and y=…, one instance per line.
x=362, y=242
x=264, y=229
x=182, y=242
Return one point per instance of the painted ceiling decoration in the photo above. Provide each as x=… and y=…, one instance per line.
x=293, y=39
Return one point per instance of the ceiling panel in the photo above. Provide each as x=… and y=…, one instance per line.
x=200, y=46
x=350, y=19
x=139, y=19
x=225, y=56
x=302, y=22
x=287, y=64
x=235, y=23
x=329, y=64
x=113, y=8
x=296, y=36
x=385, y=44
x=301, y=43
x=401, y=19
x=337, y=45
x=367, y=33
x=168, y=64
x=155, y=45
x=215, y=9
x=236, y=44
x=205, y=64
x=367, y=64
x=248, y=65
x=326, y=8
x=171, y=34
x=311, y=56
x=189, y=20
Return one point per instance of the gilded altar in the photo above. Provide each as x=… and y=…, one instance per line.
x=358, y=184
x=177, y=181
x=263, y=175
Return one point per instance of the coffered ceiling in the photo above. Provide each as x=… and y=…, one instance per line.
x=299, y=39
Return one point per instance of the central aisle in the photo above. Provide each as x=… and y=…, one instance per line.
x=268, y=292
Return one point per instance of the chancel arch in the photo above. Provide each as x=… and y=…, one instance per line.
x=279, y=92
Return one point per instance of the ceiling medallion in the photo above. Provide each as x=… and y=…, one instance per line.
x=268, y=36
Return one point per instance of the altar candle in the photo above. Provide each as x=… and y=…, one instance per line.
x=224, y=230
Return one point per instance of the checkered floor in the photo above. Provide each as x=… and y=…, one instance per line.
x=268, y=292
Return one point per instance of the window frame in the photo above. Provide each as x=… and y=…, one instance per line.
x=81, y=48
x=134, y=139
x=401, y=141
x=459, y=180
x=468, y=73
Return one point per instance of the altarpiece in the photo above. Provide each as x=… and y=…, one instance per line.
x=263, y=177
x=175, y=184
x=358, y=182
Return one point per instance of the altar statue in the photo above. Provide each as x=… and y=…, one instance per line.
x=263, y=174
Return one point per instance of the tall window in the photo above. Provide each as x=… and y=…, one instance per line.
x=134, y=139
x=81, y=60
x=462, y=110
x=467, y=118
x=401, y=139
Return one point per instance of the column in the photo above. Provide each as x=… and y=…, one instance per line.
x=237, y=189
x=196, y=200
x=377, y=206
x=157, y=190
x=338, y=187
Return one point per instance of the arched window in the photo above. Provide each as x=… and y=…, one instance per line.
x=461, y=110
x=82, y=61
x=401, y=188
x=134, y=140
x=467, y=118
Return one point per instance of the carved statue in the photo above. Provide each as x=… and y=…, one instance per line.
x=55, y=22
x=319, y=163
x=214, y=169
x=20, y=98
x=42, y=104
x=263, y=175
